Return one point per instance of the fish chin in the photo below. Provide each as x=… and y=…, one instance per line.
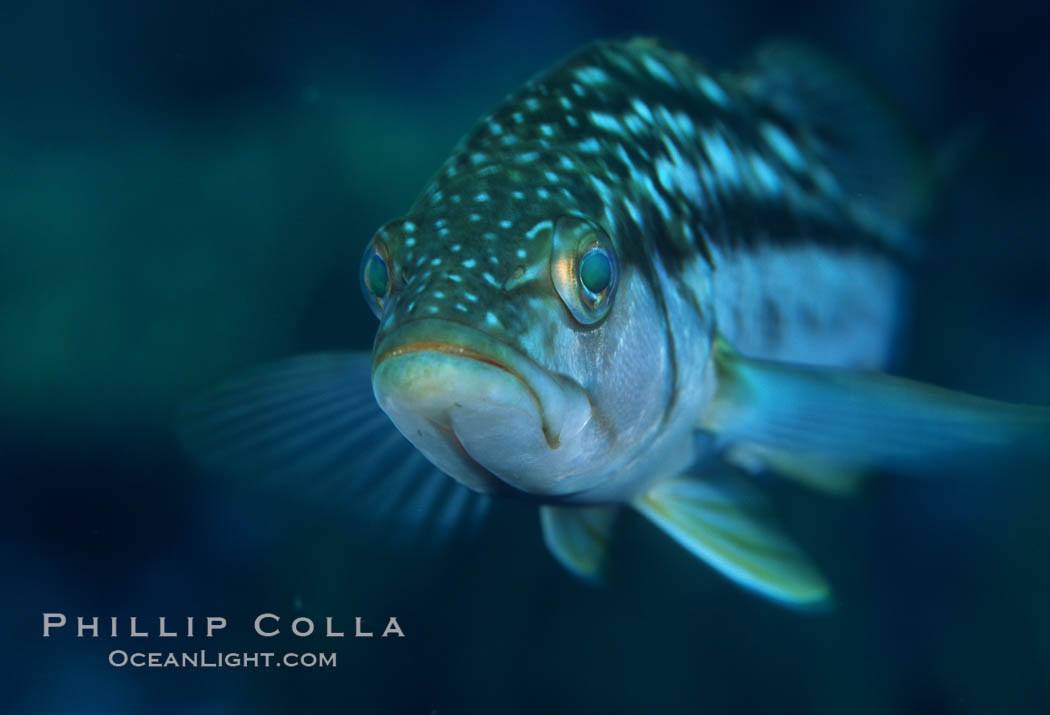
x=485, y=414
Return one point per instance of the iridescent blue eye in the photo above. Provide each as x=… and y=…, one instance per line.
x=596, y=271
x=375, y=278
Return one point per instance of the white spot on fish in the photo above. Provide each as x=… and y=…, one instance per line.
x=669, y=121
x=443, y=232
x=436, y=262
x=409, y=226
x=495, y=128
x=642, y=109
x=439, y=294
x=546, y=130
x=656, y=69
x=602, y=189
x=505, y=223
x=492, y=320
x=460, y=307
x=685, y=124
x=454, y=277
x=455, y=248
x=767, y=178
x=578, y=90
x=489, y=279
x=721, y=157
x=826, y=181
x=634, y=123
x=520, y=253
x=482, y=197
x=785, y=148
x=532, y=104
x=518, y=117
x=592, y=75
x=664, y=209
x=633, y=211
x=469, y=263
x=622, y=153
x=410, y=241
x=543, y=193
x=590, y=145
x=475, y=217
x=552, y=177
x=712, y=91
x=565, y=102
x=471, y=297
x=605, y=121
x=527, y=157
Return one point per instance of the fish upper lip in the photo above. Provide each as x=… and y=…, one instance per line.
x=440, y=346
x=560, y=401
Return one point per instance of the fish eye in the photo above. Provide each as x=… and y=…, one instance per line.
x=375, y=277
x=583, y=268
x=595, y=269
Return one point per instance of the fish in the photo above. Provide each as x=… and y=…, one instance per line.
x=636, y=285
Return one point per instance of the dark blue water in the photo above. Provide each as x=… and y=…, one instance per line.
x=186, y=189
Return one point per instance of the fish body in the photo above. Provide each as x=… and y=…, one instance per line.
x=722, y=217
x=631, y=282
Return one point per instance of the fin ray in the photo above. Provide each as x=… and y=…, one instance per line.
x=310, y=425
x=721, y=530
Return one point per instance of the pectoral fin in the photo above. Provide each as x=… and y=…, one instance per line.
x=861, y=418
x=719, y=527
x=578, y=537
x=310, y=427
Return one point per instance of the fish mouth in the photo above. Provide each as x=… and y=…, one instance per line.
x=461, y=396
x=448, y=348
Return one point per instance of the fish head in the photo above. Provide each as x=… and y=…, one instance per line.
x=519, y=346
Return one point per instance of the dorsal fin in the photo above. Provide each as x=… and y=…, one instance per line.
x=853, y=131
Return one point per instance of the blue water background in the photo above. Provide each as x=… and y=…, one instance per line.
x=186, y=189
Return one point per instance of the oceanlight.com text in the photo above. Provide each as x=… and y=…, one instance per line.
x=219, y=659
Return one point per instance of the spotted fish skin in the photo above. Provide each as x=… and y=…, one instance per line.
x=677, y=163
